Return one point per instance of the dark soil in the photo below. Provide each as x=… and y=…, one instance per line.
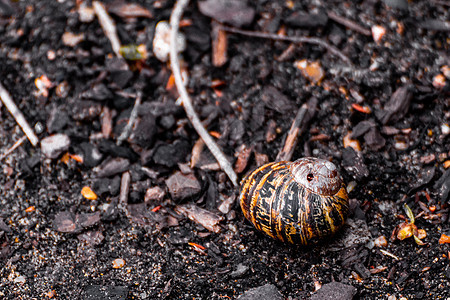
x=394, y=100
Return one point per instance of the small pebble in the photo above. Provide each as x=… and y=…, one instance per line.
x=182, y=186
x=264, y=292
x=381, y=241
x=333, y=291
x=118, y=263
x=19, y=279
x=161, y=41
x=241, y=269
x=445, y=129
x=378, y=32
x=52, y=146
x=154, y=194
x=88, y=193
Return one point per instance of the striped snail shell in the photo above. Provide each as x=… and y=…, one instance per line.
x=299, y=202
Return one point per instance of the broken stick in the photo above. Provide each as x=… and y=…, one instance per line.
x=18, y=116
x=108, y=26
x=304, y=115
x=294, y=39
x=184, y=96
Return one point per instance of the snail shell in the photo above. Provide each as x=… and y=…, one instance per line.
x=299, y=202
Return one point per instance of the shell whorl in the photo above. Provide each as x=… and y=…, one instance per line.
x=299, y=202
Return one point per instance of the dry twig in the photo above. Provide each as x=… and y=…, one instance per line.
x=349, y=24
x=294, y=39
x=134, y=112
x=124, y=190
x=13, y=147
x=18, y=116
x=304, y=115
x=187, y=103
x=108, y=26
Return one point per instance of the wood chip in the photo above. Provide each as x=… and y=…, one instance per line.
x=200, y=216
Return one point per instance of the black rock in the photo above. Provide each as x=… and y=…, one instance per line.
x=400, y=4
x=234, y=12
x=423, y=178
x=112, y=211
x=57, y=120
x=374, y=139
x=96, y=292
x=443, y=185
x=121, y=78
x=353, y=163
x=276, y=100
x=119, y=72
x=112, y=167
x=183, y=186
x=91, y=155
x=27, y=166
x=3, y=226
x=85, y=110
x=92, y=238
x=110, y=148
x=87, y=219
x=65, y=222
x=144, y=131
x=99, y=92
x=362, y=128
x=170, y=155
x=264, y=292
x=108, y=186
x=199, y=38
x=435, y=24
x=333, y=291
x=241, y=269
x=397, y=106
x=7, y=8
x=167, y=122
x=158, y=109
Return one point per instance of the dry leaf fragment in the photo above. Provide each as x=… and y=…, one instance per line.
x=201, y=216
x=129, y=10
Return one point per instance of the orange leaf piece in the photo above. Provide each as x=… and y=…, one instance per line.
x=196, y=246
x=363, y=109
x=30, y=209
x=76, y=158
x=445, y=239
x=88, y=193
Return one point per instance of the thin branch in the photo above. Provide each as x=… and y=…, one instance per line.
x=304, y=115
x=13, y=147
x=108, y=26
x=18, y=116
x=349, y=24
x=134, y=112
x=294, y=39
x=187, y=104
x=124, y=191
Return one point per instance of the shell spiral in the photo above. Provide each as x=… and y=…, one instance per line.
x=300, y=202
